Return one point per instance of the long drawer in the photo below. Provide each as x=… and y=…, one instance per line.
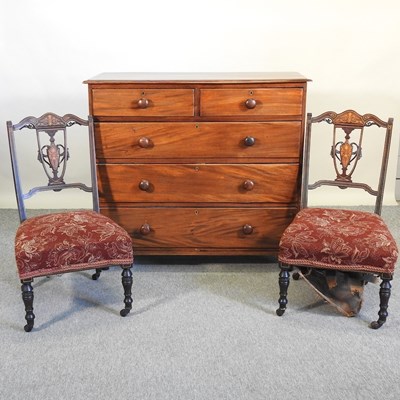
x=197, y=228
x=117, y=142
x=194, y=183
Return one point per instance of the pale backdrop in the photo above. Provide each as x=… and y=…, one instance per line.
x=350, y=50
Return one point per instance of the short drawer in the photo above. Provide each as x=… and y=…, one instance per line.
x=117, y=142
x=254, y=102
x=229, y=228
x=142, y=102
x=198, y=183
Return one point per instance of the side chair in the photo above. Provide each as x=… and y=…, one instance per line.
x=67, y=241
x=333, y=240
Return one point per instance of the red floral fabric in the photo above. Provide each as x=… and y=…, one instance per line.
x=339, y=239
x=70, y=241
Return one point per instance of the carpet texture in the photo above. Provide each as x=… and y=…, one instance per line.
x=200, y=328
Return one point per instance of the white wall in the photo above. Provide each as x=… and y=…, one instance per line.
x=350, y=50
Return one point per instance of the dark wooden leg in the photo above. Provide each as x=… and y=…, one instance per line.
x=384, y=294
x=296, y=276
x=96, y=275
x=284, y=278
x=127, y=284
x=27, y=297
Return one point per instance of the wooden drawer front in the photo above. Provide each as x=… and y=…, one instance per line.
x=125, y=102
x=203, y=227
x=269, y=102
x=181, y=183
x=124, y=141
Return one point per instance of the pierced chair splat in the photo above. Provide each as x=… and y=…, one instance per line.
x=345, y=242
x=66, y=241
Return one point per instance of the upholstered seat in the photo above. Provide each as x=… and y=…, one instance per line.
x=69, y=241
x=339, y=239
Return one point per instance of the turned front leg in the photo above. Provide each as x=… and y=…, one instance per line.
x=127, y=284
x=384, y=295
x=284, y=279
x=27, y=297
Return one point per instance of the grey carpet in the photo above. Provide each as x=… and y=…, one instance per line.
x=199, y=329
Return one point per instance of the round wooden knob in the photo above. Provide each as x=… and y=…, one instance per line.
x=248, y=184
x=145, y=229
x=250, y=103
x=249, y=141
x=247, y=229
x=143, y=103
x=144, y=142
x=144, y=185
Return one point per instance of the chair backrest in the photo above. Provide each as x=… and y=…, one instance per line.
x=346, y=153
x=53, y=154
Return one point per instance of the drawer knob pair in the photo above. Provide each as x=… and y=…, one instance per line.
x=143, y=103
x=250, y=103
x=145, y=229
x=144, y=185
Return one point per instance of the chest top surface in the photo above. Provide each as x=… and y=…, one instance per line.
x=223, y=77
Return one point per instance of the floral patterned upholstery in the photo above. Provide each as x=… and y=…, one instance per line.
x=69, y=241
x=339, y=239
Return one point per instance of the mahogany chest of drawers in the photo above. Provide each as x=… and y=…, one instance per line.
x=199, y=163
